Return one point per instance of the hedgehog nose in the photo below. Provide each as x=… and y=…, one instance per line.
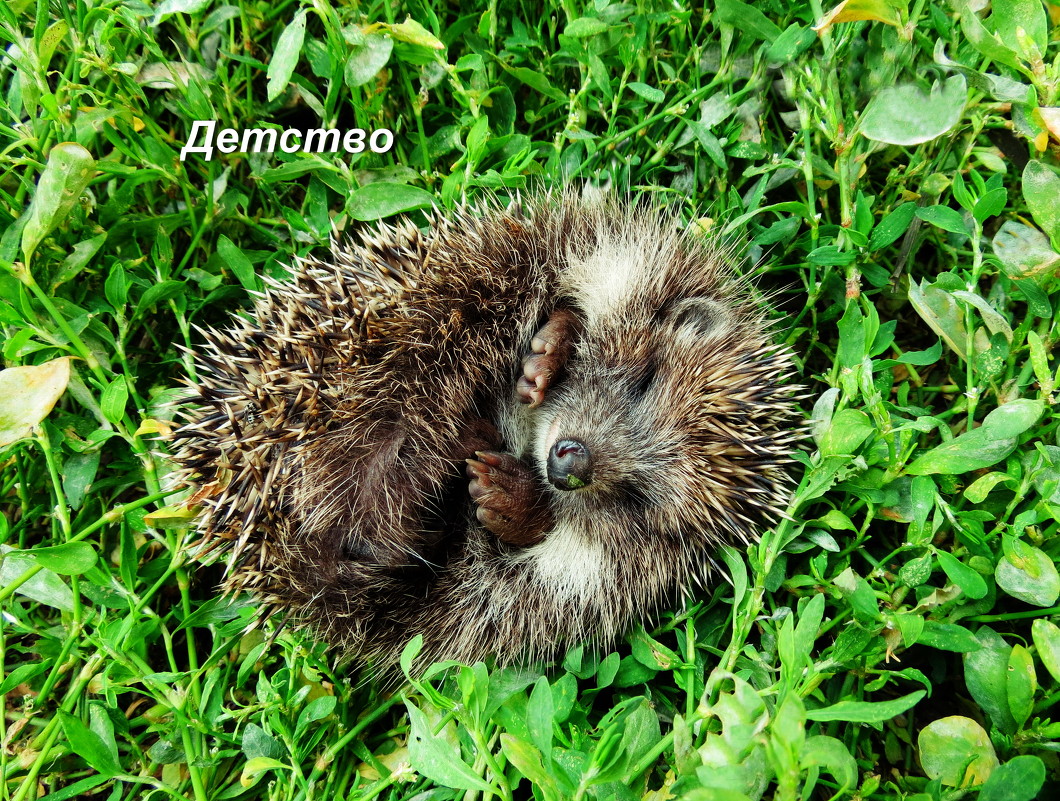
x=570, y=465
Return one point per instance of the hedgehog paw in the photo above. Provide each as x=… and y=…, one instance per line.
x=510, y=504
x=477, y=434
x=550, y=348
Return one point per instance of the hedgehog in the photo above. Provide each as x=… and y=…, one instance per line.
x=528, y=426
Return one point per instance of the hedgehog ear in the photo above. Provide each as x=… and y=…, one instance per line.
x=707, y=316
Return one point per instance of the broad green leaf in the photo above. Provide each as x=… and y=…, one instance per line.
x=845, y=433
x=1047, y=640
x=972, y=450
x=833, y=756
x=383, y=199
x=285, y=57
x=540, y=712
x=1041, y=188
x=860, y=11
x=907, y=115
x=1025, y=572
x=584, y=27
x=88, y=745
x=944, y=217
x=238, y=263
x=68, y=559
x=957, y=751
x=747, y=19
x=986, y=676
x=940, y=310
x=892, y=226
x=1009, y=18
x=1019, y=779
x=44, y=586
x=970, y=582
x=527, y=760
x=411, y=32
x=367, y=57
x=115, y=396
x=866, y=711
x=27, y=396
x=1013, y=418
x=649, y=93
x=1022, y=682
x=68, y=171
x=1024, y=251
x=259, y=743
x=977, y=491
x=433, y=757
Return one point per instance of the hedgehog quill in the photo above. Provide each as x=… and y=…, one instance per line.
x=527, y=427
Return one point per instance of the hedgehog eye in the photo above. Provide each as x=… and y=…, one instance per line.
x=704, y=314
x=643, y=383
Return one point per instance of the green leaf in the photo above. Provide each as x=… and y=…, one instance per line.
x=940, y=310
x=844, y=433
x=367, y=57
x=1025, y=572
x=892, y=226
x=747, y=19
x=115, y=396
x=866, y=711
x=956, y=751
x=1041, y=188
x=88, y=745
x=433, y=757
x=69, y=559
x=66, y=175
x=1047, y=641
x=1024, y=251
x=258, y=743
x=947, y=637
x=540, y=712
x=907, y=115
x=832, y=755
x=1022, y=682
x=238, y=263
x=1013, y=418
x=1019, y=779
x=970, y=582
x=943, y=217
x=285, y=57
x=986, y=676
x=27, y=396
x=44, y=586
x=972, y=450
x=383, y=199
x=584, y=27
x=535, y=80
x=1009, y=17
x=527, y=760
x=649, y=93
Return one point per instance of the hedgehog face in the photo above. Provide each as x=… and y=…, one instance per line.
x=645, y=434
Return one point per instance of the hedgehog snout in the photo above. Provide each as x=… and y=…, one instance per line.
x=569, y=465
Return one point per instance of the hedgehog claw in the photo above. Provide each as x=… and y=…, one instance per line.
x=550, y=348
x=509, y=502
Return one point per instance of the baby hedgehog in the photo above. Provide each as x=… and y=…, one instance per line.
x=526, y=427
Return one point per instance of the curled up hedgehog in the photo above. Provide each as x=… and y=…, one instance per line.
x=527, y=427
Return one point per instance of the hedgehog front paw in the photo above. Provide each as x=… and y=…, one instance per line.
x=477, y=434
x=510, y=503
x=550, y=349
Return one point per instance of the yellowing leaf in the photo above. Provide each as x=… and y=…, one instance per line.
x=27, y=395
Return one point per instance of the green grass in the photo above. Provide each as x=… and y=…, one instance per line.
x=895, y=639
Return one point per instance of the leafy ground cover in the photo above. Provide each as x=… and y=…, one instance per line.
x=894, y=169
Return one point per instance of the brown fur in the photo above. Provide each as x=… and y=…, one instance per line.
x=331, y=427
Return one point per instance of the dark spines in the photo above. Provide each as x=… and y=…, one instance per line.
x=332, y=423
